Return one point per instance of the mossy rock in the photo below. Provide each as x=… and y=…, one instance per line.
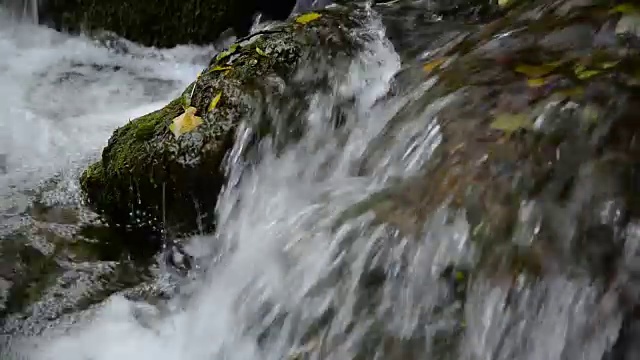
x=164, y=23
x=147, y=174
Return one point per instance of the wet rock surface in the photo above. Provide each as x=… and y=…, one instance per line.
x=151, y=178
x=59, y=260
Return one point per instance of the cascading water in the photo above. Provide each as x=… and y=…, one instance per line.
x=25, y=10
x=289, y=274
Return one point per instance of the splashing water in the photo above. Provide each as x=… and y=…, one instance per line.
x=288, y=274
x=63, y=96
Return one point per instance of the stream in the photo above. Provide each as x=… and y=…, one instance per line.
x=286, y=275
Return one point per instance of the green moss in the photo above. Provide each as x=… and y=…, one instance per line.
x=133, y=138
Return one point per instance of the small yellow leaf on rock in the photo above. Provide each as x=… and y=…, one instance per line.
x=185, y=122
x=537, y=82
x=232, y=49
x=307, y=18
x=260, y=52
x=624, y=9
x=433, y=64
x=214, y=102
x=503, y=3
x=609, y=64
x=583, y=73
x=220, y=68
x=536, y=71
x=511, y=122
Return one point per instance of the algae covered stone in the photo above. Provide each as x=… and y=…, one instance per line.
x=148, y=176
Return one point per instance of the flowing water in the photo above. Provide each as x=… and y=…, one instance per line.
x=287, y=275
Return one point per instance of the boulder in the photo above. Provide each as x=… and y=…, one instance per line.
x=163, y=24
x=165, y=170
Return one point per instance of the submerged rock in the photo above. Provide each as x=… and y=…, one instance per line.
x=163, y=24
x=166, y=168
x=537, y=150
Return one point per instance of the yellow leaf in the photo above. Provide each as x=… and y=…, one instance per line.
x=609, y=64
x=587, y=74
x=260, y=52
x=459, y=275
x=185, y=122
x=433, y=64
x=624, y=9
x=503, y=3
x=232, y=49
x=307, y=18
x=214, y=102
x=537, y=82
x=536, y=71
x=511, y=122
x=220, y=68
x=583, y=73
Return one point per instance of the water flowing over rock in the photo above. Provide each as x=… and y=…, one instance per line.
x=373, y=188
x=152, y=176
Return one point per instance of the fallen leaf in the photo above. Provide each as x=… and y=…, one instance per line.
x=260, y=52
x=609, y=64
x=536, y=71
x=624, y=9
x=185, y=122
x=583, y=73
x=433, y=64
x=538, y=82
x=220, y=68
x=511, y=122
x=307, y=18
x=232, y=49
x=503, y=3
x=214, y=102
